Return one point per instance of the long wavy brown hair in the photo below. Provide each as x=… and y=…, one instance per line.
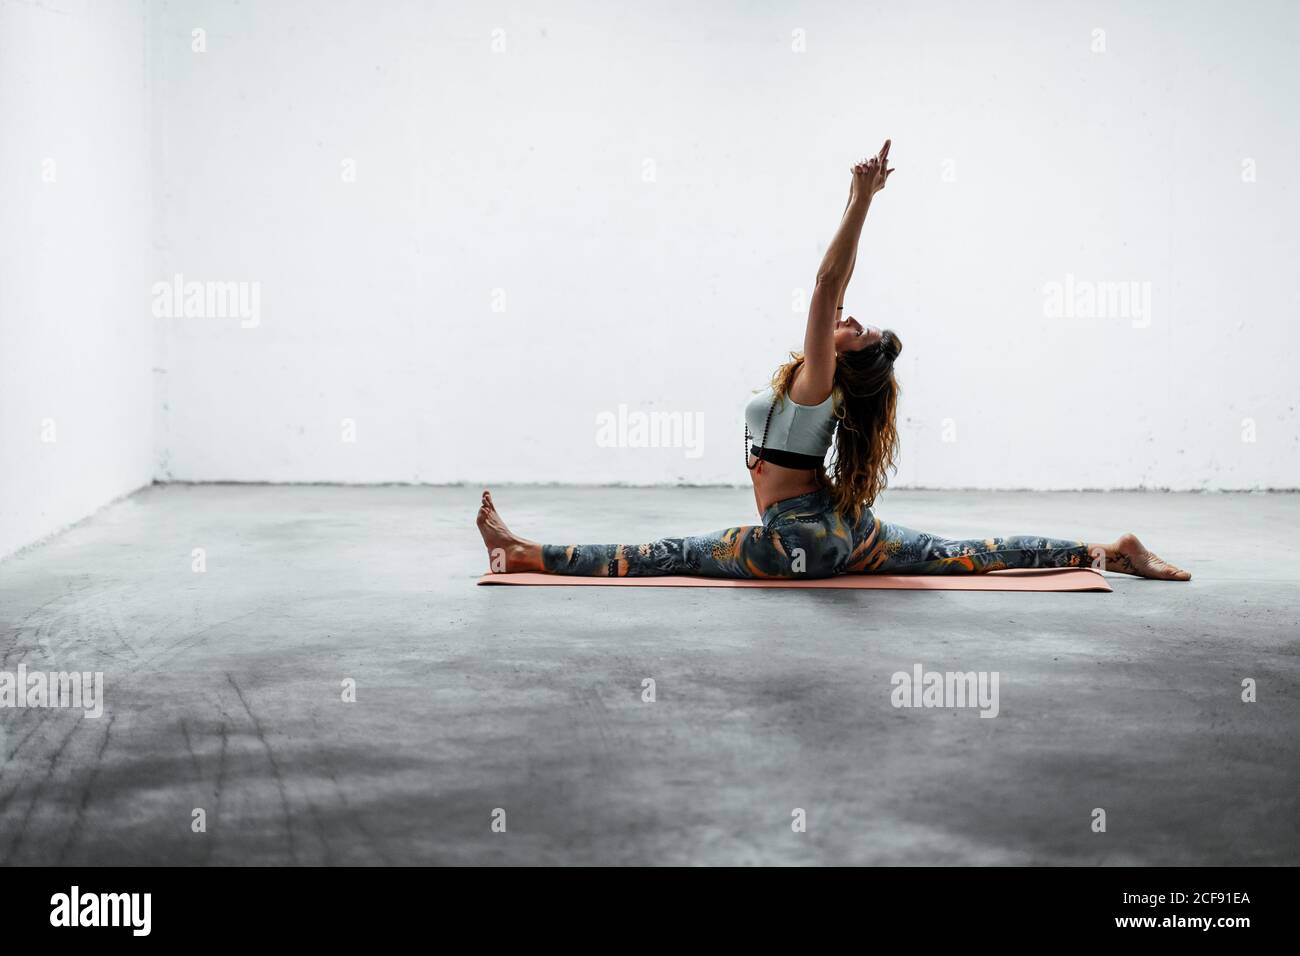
x=866, y=441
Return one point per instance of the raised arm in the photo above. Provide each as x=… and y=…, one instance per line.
x=839, y=304
x=817, y=376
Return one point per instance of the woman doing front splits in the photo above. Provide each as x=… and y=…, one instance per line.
x=818, y=522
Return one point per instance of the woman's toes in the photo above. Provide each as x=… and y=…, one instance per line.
x=1162, y=568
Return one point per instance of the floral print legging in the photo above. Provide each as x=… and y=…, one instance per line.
x=805, y=537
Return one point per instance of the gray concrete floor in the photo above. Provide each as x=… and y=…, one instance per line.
x=224, y=691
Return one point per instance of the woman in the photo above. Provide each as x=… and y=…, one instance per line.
x=841, y=391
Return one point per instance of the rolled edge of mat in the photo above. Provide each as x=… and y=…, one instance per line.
x=1044, y=580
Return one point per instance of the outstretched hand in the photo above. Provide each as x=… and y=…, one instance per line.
x=871, y=174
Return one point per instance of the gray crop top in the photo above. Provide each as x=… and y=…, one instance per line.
x=798, y=436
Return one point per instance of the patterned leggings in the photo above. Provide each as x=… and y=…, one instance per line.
x=806, y=537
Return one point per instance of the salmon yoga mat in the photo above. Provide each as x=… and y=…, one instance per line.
x=1033, y=579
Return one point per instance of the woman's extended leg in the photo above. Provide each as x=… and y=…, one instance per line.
x=749, y=551
x=884, y=548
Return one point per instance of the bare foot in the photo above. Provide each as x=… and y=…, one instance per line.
x=1129, y=556
x=507, y=552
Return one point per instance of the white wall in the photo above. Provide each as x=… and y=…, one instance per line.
x=524, y=171
x=76, y=399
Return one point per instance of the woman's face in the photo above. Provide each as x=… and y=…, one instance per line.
x=852, y=336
